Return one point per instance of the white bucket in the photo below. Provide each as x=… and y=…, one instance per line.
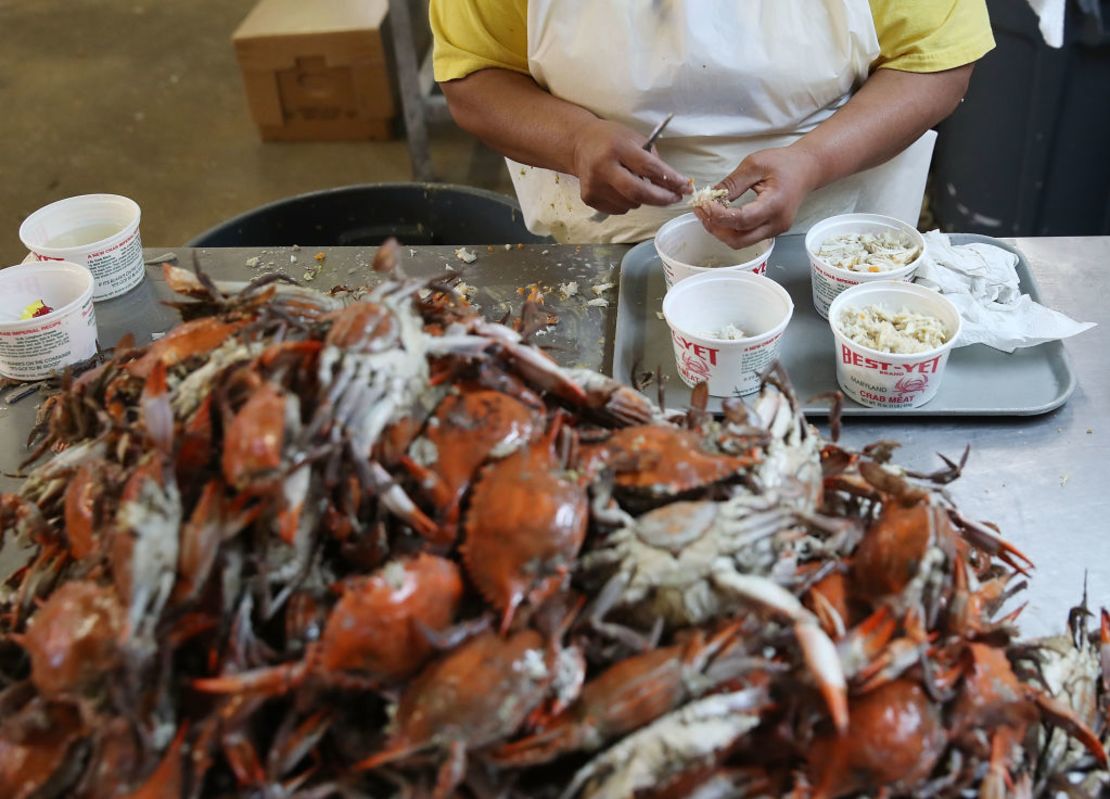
x=32, y=349
x=884, y=380
x=699, y=307
x=687, y=249
x=99, y=231
x=828, y=281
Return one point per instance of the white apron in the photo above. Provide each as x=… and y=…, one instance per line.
x=740, y=76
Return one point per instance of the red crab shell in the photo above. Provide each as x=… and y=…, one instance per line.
x=662, y=461
x=526, y=523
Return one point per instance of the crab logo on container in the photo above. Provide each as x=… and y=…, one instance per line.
x=696, y=361
x=911, y=385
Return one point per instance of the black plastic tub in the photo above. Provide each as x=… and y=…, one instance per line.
x=368, y=214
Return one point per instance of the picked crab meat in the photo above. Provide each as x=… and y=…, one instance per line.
x=707, y=196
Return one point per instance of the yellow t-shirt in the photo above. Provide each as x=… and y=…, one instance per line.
x=918, y=36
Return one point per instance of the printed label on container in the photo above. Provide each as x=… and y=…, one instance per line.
x=695, y=361
x=37, y=352
x=669, y=272
x=729, y=371
x=31, y=353
x=826, y=287
x=117, y=268
x=880, y=383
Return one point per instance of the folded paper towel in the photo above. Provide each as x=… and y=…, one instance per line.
x=982, y=282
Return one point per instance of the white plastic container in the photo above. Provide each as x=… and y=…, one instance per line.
x=687, y=249
x=98, y=231
x=884, y=380
x=828, y=281
x=32, y=349
x=699, y=307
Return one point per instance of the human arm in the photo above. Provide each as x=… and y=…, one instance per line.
x=890, y=111
x=512, y=114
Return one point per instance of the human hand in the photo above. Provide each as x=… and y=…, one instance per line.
x=617, y=175
x=781, y=178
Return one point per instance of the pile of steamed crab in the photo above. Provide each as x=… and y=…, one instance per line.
x=367, y=543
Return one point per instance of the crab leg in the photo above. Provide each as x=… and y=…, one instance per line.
x=669, y=745
x=154, y=404
x=998, y=784
x=533, y=365
x=817, y=648
x=864, y=642
x=1063, y=716
x=271, y=680
x=629, y=694
x=982, y=537
x=396, y=501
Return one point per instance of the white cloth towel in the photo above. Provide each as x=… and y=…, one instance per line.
x=982, y=282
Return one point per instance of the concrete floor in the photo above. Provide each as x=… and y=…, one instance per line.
x=144, y=98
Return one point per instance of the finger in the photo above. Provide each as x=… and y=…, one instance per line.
x=740, y=239
x=649, y=165
x=611, y=208
x=609, y=201
x=760, y=211
x=639, y=191
x=742, y=178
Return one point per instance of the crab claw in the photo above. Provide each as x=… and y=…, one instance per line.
x=400, y=504
x=1064, y=717
x=820, y=654
x=385, y=259
x=893, y=663
x=998, y=784
x=154, y=403
x=866, y=641
x=982, y=537
x=895, y=657
x=272, y=680
x=544, y=746
x=169, y=777
x=817, y=648
x=613, y=399
x=533, y=364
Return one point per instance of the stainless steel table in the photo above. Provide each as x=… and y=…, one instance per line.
x=1043, y=479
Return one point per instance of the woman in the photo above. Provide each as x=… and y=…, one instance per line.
x=817, y=106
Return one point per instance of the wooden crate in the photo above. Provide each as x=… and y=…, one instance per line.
x=316, y=70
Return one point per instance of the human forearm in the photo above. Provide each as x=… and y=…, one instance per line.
x=885, y=116
x=513, y=115
x=889, y=112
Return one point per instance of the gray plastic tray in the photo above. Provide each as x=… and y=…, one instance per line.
x=979, y=381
